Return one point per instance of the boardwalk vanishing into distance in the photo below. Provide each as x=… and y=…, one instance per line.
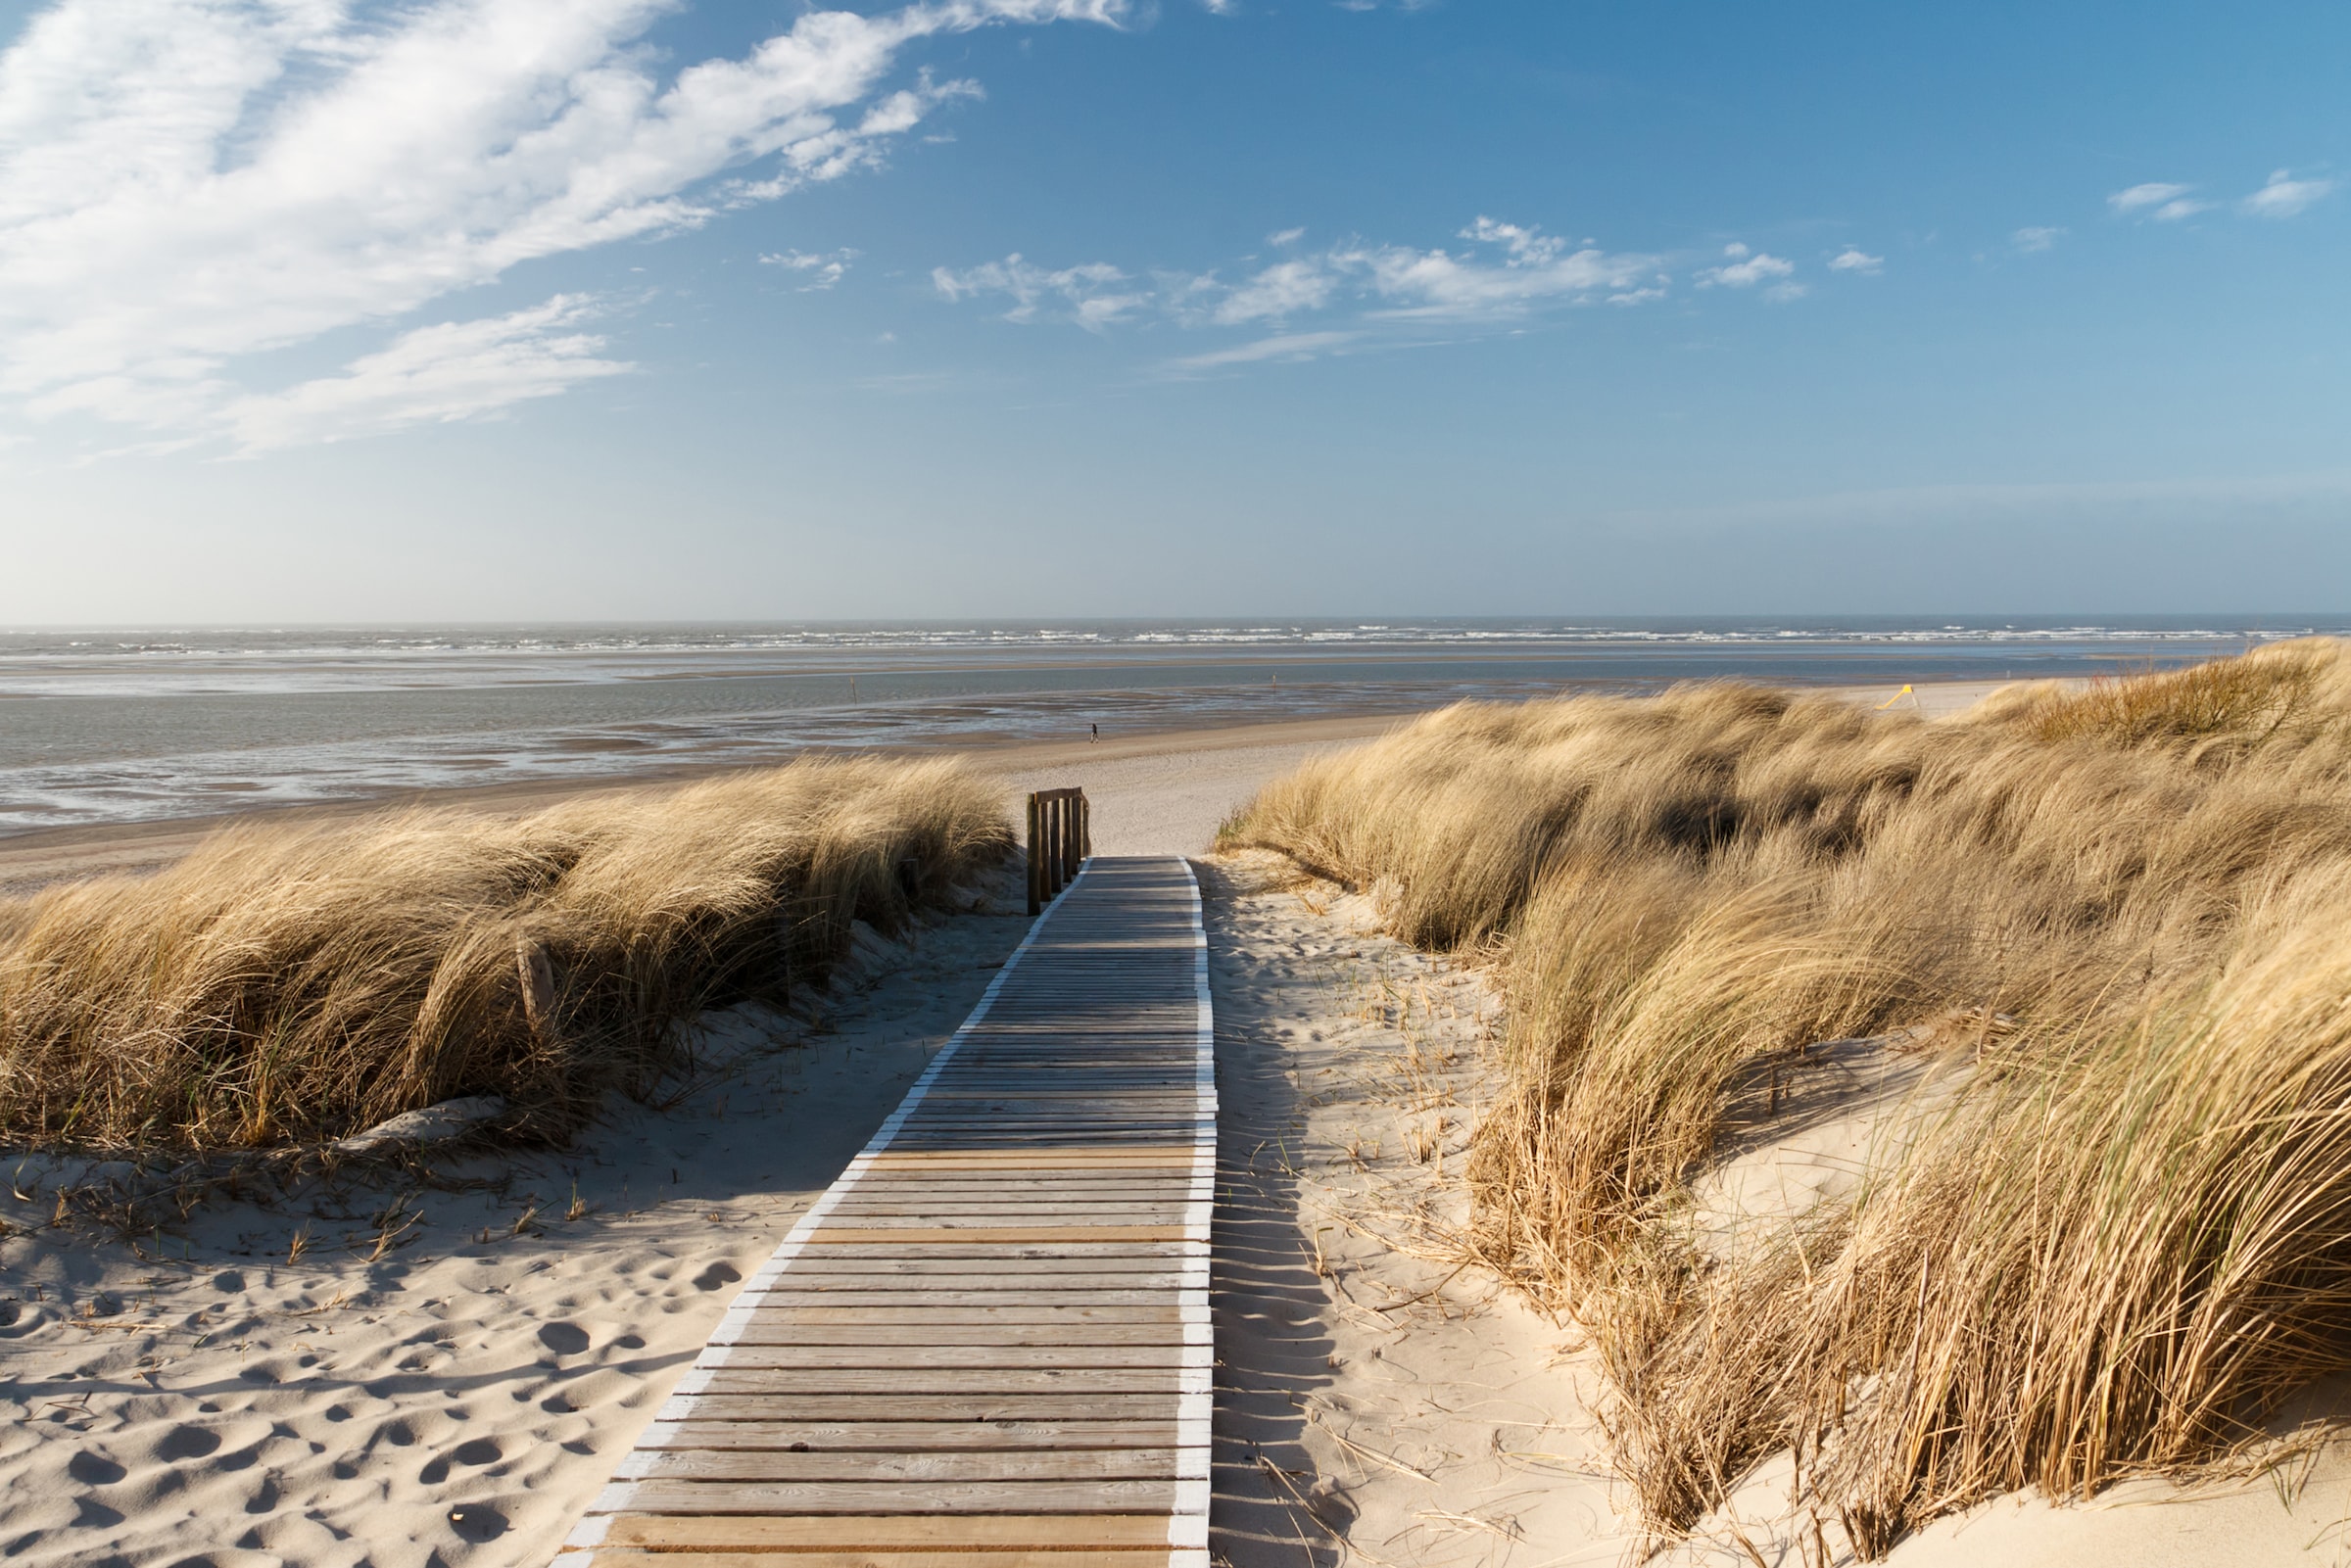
x=988, y=1340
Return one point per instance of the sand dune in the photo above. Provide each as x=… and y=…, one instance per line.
x=445, y=1368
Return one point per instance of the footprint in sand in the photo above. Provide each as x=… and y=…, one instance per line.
x=477, y=1522
x=481, y=1450
x=717, y=1274
x=94, y=1469
x=186, y=1443
x=565, y=1338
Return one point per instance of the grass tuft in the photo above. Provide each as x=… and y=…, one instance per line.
x=288, y=985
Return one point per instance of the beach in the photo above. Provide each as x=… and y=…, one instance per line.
x=440, y=1361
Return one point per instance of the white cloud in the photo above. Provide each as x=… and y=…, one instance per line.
x=2032, y=240
x=1284, y=289
x=1291, y=345
x=183, y=184
x=2155, y=193
x=1287, y=236
x=432, y=375
x=2285, y=196
x=824, y=270
x=1852, y=258
x=1388, y=282
x=1746, y=269
x=1093, y=296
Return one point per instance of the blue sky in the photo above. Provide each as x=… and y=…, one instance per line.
x=587, y=309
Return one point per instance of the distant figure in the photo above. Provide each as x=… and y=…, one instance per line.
x=1097, y=729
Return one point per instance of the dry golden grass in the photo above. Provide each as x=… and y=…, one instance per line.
x=285, y=985
x=2118, y=1244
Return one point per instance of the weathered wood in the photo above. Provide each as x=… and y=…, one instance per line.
x=800, y=1382
x=941, y=1407
x=907, y=1496
x=1154, y=1556
x=909, y=1437
x=989, y=1341
x=764, y=1329
x=927, y=1467
x=893, y=1533
x=1037, y=878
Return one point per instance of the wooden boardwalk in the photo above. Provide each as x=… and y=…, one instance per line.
x=989, y=1342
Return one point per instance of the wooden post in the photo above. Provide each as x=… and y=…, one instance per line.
x=1036, y=865
x=1060, y=838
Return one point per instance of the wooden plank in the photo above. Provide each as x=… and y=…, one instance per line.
x=926, y=1466
x=904, y=1496
x=745, y=1355
x=909, y=1437
x=873, y=1236
x=936, y=1405
x=1155, y=1556
x=1137, y=1158
x=955, y=1332
x=1044, y=1380
x=907, y=1533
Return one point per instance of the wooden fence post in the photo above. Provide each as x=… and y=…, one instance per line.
x=1056, y=875
x=1060, y=838
x=1036, y=865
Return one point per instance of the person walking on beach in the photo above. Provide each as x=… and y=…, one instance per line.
x=1097, y=729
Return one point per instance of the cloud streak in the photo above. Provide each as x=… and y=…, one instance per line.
x=182, y=185
x=432, y=375
x=1506, y=275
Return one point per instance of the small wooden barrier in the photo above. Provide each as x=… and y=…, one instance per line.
x=1060, y=838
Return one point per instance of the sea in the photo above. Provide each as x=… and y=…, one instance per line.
x=117, y=725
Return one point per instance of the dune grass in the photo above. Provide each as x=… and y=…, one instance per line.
x=284, y=985
x=2121, y=1241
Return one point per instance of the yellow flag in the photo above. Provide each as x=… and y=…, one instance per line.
x=1905, y=691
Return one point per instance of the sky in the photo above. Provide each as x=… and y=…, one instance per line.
x=530, y=310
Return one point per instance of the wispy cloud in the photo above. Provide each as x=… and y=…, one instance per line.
x=2033, y=240
x=1094, y=295
x=823, y=269
x=1290, y=346
x=1746, y=269
x=2155, y=193
x=2285, y=196
x=1508, y=273
x=1852, y=258
x=182, y=185
x=432, y=375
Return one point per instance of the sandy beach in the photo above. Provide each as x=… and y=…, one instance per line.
x=440, y=1362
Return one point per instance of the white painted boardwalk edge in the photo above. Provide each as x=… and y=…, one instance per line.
x=1187, y=1524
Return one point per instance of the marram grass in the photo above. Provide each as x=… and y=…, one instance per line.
x=284, y=985
x=2121, y=1239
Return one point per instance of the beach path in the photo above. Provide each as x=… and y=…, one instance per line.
x=991, y=1335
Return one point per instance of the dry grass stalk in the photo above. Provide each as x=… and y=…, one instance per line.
x=286, y=985
x=2124, y=1238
